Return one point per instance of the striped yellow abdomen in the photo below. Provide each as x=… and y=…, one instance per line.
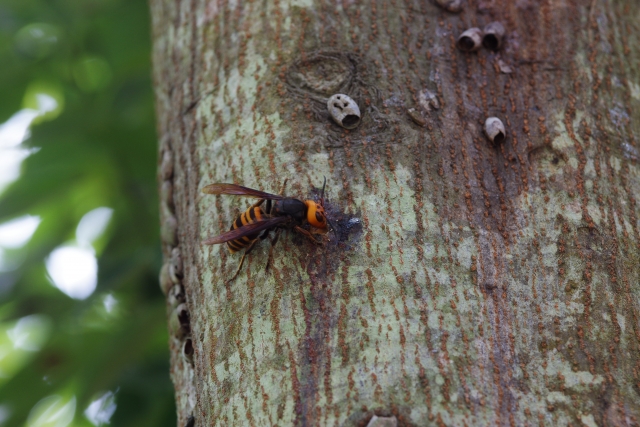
x=251, y=215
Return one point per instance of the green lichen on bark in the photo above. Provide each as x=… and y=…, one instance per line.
x=480, y=285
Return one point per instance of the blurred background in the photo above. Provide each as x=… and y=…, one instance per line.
x=83, y=338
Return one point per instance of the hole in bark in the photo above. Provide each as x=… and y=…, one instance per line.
x=188, y=347
x=183, y=317
x=490, y=41
x=350, y=120
x=466, y=44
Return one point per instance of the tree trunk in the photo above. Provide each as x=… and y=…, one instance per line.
x=466, y=282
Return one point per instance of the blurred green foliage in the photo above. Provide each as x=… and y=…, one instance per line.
x=96, y=147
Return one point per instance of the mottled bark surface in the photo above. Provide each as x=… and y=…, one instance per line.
x=467, y=284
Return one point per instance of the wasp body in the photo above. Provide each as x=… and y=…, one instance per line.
x=250, y=216
x=255, y=224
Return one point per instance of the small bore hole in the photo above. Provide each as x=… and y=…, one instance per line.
x=466, y=44
x=490, y=41
x=183, y=317
x=555, y=160
x=350, y=120
x=188, y=347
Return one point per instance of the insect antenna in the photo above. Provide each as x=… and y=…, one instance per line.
x=324, y=184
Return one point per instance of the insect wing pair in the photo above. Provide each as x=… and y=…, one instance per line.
x=249, y=229
x=255, y=223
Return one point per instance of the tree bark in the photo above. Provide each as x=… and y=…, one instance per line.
x=465, y=283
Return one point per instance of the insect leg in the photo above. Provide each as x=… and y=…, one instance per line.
x=258, y=203
x=273, y=243
x=306, y=234
x=246, y=251
x=284, y=184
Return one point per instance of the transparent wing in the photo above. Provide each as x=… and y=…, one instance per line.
x=239, y=190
